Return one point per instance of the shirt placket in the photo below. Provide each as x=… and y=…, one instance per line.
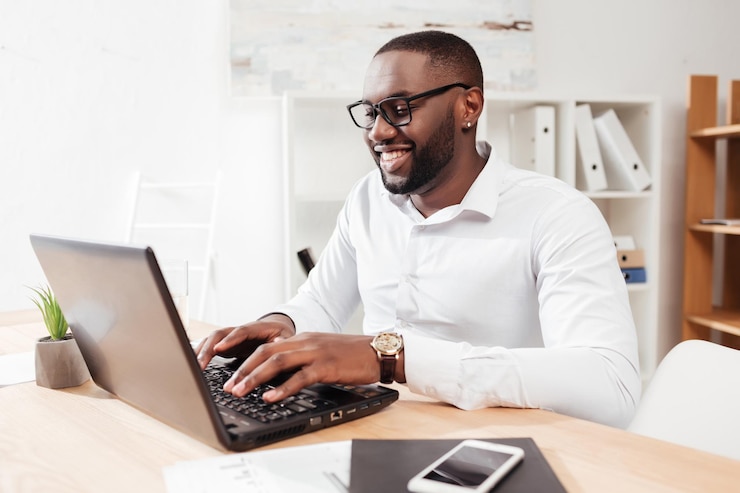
x=407, y=300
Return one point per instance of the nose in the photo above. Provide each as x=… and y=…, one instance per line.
x=381, y=130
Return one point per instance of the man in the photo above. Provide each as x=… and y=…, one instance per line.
x=482, y=284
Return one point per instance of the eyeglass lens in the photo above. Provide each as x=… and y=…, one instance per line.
x=394, y=110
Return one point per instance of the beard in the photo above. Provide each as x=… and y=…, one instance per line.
x=428, y=161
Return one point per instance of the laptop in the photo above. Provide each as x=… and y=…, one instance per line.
x=133, y=341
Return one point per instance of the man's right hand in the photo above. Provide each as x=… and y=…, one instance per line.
x=240, y=342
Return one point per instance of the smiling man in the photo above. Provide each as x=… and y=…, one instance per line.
x=482, y=284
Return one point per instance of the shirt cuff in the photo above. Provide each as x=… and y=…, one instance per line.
x=460, y=374
x=431, y=366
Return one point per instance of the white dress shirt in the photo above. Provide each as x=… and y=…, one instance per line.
x=511, y=298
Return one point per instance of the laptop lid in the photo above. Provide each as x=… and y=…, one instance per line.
x=131, y=337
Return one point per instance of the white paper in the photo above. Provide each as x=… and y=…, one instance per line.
x=321, y=468
x=17, y=368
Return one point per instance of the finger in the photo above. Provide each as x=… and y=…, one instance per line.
x=241, y=335
x=206, y=349
x=267, y=362
x=300, y=380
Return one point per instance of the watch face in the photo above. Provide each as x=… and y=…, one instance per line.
x=388, y=343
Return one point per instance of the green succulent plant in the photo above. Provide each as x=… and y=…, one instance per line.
x=54, y=319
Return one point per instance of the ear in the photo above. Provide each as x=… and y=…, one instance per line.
x=472, y=107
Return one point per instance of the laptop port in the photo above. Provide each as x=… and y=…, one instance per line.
x=335, y=416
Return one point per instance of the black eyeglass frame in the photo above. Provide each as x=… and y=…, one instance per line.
x=378, y=110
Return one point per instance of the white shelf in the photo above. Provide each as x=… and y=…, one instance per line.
x=619, y=194
x=325, y=154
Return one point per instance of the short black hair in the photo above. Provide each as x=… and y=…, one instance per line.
x=449, y=55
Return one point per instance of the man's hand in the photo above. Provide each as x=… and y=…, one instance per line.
x=315, y=357
x=240, y=342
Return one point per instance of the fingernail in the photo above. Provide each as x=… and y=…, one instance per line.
x=240, y=389
x=272, y=395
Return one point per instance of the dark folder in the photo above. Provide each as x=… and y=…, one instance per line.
x=387, y=465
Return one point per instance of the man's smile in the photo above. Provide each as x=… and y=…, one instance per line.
x=392, y=160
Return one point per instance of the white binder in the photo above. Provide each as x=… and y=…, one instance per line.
x=624, y=168
x=590, y=174
x=624, y=242
x=533, y=139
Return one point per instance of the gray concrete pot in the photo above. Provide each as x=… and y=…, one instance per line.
x=59, y=364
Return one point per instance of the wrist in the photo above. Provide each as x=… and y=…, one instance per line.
x=388, y=347
x=281, y=319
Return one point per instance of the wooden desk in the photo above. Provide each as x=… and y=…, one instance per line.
x=83, y=439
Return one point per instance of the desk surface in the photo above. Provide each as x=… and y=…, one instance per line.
x=83, y=439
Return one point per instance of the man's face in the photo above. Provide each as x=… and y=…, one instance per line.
x=412, y=159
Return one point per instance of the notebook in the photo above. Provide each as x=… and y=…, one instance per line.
x=387, y=465
x=134, y=343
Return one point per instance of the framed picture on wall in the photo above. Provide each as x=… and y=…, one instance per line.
x=327, y=44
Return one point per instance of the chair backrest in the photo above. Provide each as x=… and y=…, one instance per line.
x=177, y=219
x=694, y=399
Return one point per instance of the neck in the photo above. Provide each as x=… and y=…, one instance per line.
x=449, y=189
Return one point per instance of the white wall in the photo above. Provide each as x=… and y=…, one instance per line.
x=91, y=91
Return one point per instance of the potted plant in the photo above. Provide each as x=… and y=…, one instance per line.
x=58, y=360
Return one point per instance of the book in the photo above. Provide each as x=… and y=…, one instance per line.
x=634, y=275
x=622, y=164
x=720, y=221
x=590, y=174
x=387, y=465
x=630, y=259
x=533, y=139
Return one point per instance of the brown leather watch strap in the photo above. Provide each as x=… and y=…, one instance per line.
x=387, y=367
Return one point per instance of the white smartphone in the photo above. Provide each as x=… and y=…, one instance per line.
x=472, y=466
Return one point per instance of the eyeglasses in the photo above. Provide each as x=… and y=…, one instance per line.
x=395, y=110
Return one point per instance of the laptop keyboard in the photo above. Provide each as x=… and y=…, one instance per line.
x=252, y=405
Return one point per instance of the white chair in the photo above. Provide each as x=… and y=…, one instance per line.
x=694, y=399
x=177, y=220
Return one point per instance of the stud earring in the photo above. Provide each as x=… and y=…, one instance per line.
x=468, y=124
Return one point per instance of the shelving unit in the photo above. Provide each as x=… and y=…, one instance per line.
x=321, y=144
x=711, y=295
x=635, y=214
x=323, y=156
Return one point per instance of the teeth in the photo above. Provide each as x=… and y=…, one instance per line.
x=387, y=156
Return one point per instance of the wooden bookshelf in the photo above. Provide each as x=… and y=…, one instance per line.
x=711, y=306
x=723, y=132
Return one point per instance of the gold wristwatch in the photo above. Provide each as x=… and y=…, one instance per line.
x=388, y=345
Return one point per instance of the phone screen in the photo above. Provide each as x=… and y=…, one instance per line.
x=468, y=467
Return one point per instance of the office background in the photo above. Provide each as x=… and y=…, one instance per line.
x=93, y=91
